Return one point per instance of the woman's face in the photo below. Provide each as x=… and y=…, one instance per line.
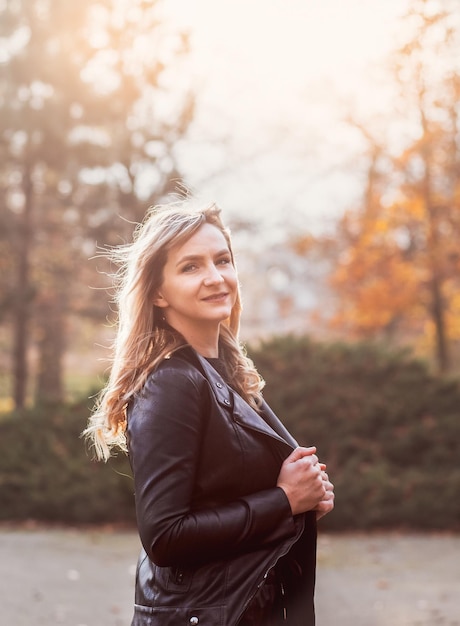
x=199, y=282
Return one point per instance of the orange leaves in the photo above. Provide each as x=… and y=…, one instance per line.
x=376, y=286
x=398, y=271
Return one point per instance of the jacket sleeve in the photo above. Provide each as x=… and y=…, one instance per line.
x=165, y=425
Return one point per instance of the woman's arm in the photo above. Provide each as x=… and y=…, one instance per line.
x=165, y=428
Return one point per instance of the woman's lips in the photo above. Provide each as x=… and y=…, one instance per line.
x=217, y=297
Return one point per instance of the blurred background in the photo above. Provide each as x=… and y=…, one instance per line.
x=329, y=134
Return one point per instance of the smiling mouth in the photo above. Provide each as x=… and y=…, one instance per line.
x=217, y=297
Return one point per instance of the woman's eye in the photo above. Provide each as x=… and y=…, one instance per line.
x=190, y=267
x=224, y=261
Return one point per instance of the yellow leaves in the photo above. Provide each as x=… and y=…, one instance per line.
x=381, y=226
x=375, y=289
x=386, y=276
x=376, y=283
x=412, y=208
x=303, y=245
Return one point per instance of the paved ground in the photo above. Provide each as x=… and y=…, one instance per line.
x=389, y=580
x=85, y=578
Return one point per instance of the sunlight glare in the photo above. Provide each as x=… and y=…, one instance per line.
x=298, y=38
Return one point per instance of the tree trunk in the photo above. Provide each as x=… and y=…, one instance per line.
x=22, y=301
x=442, y=349
x=51, y=348
x=434, y=248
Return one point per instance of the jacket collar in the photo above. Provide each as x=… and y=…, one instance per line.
x=242, y=412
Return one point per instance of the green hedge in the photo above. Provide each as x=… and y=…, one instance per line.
x=46, y=471
x=388, y=429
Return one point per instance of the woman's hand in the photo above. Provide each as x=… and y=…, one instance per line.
x=301, y=478
x=327, y=503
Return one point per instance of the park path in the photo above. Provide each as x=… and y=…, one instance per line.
x=67, y=577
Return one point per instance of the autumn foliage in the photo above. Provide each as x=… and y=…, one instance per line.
x=395, y=255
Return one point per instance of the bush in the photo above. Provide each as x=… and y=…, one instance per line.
x=387, y=428
x=46, y=471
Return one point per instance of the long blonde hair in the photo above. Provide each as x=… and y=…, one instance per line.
x=143, y=340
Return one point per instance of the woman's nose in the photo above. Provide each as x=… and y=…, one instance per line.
x=213, y=276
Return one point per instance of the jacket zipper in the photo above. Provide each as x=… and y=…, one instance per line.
x=283, y=593
x=283, y=553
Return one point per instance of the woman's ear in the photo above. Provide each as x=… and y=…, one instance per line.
x=160, y=301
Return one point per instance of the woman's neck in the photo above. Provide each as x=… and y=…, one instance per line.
x=206, y=350
x=204, y=340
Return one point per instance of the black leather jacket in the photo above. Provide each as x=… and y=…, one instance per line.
x=211, y=519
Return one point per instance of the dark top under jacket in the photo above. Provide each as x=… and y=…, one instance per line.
x=211, y=519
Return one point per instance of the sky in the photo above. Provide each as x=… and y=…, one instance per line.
x=274, y=80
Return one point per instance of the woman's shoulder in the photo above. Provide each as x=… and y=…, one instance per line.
x=175, y=382
x=180, y=367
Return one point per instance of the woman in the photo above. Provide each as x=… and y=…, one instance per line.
x=226, y=501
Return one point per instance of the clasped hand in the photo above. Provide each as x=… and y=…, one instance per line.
x=306, y=483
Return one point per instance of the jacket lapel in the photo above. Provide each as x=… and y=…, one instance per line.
x=278, y=426
x=242, y=413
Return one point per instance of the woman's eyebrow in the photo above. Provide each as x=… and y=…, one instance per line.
x=197, y=257
x=189, y=257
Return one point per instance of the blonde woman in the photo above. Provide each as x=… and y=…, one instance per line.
x=226, y=501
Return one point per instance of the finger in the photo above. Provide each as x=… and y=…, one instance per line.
x=325, y=504
x=300, y=453
x=310, y=460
